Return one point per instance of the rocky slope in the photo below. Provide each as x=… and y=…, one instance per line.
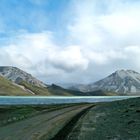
x=14, y=81
x=17, y=75
x=25, y=84
x=120, y=82
x=9, y=88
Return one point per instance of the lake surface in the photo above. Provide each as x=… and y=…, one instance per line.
x=19, y=100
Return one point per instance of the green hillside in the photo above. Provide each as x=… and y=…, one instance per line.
x=35, y=89
x=52, y=90
x=8, y=88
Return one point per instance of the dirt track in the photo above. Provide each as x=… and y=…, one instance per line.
x=41, y=127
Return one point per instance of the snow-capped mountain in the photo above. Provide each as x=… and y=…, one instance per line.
x=17, y=75
x=121, y=82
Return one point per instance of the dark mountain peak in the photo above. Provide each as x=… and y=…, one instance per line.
x=55, y=86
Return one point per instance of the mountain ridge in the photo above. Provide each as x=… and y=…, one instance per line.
x=29, y=85
x=125, y=82
x=17, y=75
x=121, y=82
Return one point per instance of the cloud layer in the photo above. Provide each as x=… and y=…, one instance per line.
x=99, y=37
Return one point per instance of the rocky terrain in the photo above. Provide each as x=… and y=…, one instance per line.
x=121, y=82
x=17, y=75
x=117, y=120
x=14, y=81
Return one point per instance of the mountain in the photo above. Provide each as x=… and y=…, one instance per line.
x=80, y=87
x=26, y=84
x=122, y=82
x=9, y=88
x=14, y=81
x=17, y=75
x=51, y=90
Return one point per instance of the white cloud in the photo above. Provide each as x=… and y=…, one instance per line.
x=37, y=53
x=70, y=58
x=115, y=27
x=106, y=34
x=121, y=22
x=101, y=39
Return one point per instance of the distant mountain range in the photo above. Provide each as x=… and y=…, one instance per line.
x=14, y=81
x=121, y=82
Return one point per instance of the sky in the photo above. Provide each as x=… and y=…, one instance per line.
x=70, y=41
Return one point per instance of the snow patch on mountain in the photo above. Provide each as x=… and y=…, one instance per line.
x=17, y=75
x=124, y=82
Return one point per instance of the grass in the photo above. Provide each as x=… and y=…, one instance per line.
x=39, y=122
x=35, y=89
x=52, y=90
x=8, y=88
x=11, y=114
x=118, y=120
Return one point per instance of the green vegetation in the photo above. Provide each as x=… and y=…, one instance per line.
x=101, y=93
x=8, y=88
x=36, y=90
x=56, y=90
x=52, y=90
x=36, y=122
x=25, y=88
x=118, y=120
x=11, y=114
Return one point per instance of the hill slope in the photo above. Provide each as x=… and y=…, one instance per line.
x=119, y=82
x=122, y=82
x=9, y=88
x=17, y=75
x=30, y=84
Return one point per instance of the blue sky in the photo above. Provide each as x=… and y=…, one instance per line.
x=32, y=15
x=60, y=40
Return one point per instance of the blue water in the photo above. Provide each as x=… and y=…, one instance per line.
x=19, y=100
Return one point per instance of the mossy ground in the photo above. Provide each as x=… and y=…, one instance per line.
x=119, y=120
